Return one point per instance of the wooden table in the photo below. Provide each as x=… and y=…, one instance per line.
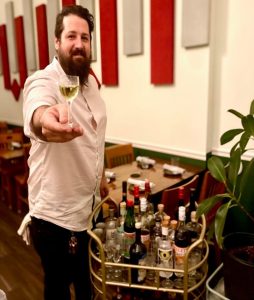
x=154, y=174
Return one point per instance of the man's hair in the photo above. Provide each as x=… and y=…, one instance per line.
x=77, y=10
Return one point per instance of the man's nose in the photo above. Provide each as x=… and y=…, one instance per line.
x=78, y=42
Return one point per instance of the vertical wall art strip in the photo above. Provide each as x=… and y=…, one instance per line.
x=89, y=4
x=109, y=51
x=53, y=9
x=132, y=27
x=5, y=57
x=21, y=50
x=162, y=41
x=41, y=19
x=195, y=23
x=29, y=35
x=9, y=13
x=68, y=2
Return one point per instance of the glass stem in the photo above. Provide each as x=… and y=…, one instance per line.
x=69, y=114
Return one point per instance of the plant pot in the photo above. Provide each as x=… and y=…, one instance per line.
x=238, y=260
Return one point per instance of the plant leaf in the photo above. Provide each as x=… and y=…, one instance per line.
x=236, y=113
x=252, y=108
x=206, y=205
x=247, y=188
x=216, y=167
x=234, y=166
x=244, y=141
x=248, y=124
x=230, y=135
x=219, y=224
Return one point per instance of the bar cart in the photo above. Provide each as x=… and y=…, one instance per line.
x=98, y=265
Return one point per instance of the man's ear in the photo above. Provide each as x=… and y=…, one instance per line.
x=57, y=42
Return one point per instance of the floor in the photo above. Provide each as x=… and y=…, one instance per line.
x=21, y=276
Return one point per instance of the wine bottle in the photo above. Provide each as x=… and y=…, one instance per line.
x=124, y=191
x=180, y=202
x=136, y=203
x=138, y=253
x=129, y=228
x=121, y=218
x=192, y=205
x=145, y=232
x=182, y=241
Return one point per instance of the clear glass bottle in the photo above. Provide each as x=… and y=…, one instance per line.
x=129, y=229
x=138, y=253
x=194, y=227
x=111, y=225
x=160, y=213
x=148, y=196
x=165, y=256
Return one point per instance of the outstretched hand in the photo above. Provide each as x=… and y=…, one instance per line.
x=53, y=124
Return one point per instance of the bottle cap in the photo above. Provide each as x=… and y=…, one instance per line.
x=138, y=225
x=129, y=202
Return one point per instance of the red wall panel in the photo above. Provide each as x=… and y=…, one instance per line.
x=162, y=41
x=42, y=33
x=21, y=50
x=68, y=2
x=109, y=51
x=5, y=57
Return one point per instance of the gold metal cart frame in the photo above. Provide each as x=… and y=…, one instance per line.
x=100, y=282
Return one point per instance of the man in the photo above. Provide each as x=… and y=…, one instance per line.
x=66, y=162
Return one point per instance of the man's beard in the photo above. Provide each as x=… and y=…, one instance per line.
x=76, y=66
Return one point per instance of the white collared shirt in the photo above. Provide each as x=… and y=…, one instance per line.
x=65, y=176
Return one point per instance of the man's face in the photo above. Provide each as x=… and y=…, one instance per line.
x=74, y=47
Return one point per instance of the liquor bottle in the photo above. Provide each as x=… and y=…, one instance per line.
x=192, y=205
x=148, y=196
x=165, y=255
x=171, y=231
x=136, y=203
x=180, y=202
x=124, y=191
x=129, y=229
x=121, y=219
x=138, y=253
x=111, y=225
x=160, y=213
x=145, y=232
x=182, y=241
x=194, y=227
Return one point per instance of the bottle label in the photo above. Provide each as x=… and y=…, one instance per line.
x=129, y=240
x=164, y=254
x=180, y=254
x=110, y=233
x=145, y=238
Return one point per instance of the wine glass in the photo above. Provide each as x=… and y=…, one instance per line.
x=69, y=87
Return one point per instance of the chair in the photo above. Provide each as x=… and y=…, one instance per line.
x=210, y=187
x=10, y=167
x=20, y=180
x=117, y=155
x=170, y=196
x=3, y=126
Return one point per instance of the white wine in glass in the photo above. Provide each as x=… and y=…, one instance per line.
x=69, y=87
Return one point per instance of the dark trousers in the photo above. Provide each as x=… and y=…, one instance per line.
x=62, y=268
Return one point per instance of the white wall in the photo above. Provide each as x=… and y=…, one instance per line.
x=188, y=117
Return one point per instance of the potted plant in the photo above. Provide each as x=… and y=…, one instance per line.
x=234, y=219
